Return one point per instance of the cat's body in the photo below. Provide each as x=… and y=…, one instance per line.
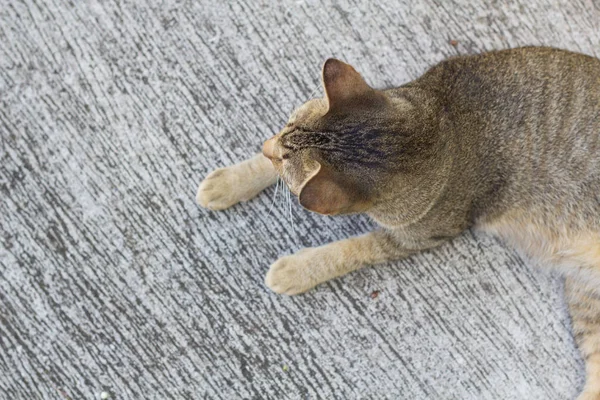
x=507, y=142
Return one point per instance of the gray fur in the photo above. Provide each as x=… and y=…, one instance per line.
x=504, y=141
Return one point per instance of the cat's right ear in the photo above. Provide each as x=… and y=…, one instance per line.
x=325, y=193
x=345, y=87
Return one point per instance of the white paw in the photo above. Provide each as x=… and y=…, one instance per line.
x=221, y=189
x=299, y=272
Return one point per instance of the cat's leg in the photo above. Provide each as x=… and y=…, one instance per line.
x=577, y=255
x=307, y=268
x=584, y=306
x=227, y=186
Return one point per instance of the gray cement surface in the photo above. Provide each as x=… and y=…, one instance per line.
x=113, y=279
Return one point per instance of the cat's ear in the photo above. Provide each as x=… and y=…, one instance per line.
x=324, y=193
x=344, y=86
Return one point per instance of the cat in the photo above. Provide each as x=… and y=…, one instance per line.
x=505, y=141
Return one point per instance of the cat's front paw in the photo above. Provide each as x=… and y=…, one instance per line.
x=221, y=189
x=292, y=274
x=225, y=187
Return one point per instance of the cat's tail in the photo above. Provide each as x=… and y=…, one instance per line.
x=584, y=305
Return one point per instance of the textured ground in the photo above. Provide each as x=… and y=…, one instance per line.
x=112, y=279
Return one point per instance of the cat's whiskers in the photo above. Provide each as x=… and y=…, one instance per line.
x=310, y=97
x=314, y=91
x=289, y=198
x=274, y=196
x=291, y=214
x=295, y=237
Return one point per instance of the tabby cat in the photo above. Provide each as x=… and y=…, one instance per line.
x=505, y=141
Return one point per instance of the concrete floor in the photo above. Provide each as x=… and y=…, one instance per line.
x=112, y=279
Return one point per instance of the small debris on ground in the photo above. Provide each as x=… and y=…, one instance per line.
x=374, y=294
x=104, y=395
x=285, y=368
x=454, y=43
x=63, y=394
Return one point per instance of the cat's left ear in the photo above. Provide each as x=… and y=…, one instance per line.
x=325, y=193
x=345, y=87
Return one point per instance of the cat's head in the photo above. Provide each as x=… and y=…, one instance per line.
x=336, y=153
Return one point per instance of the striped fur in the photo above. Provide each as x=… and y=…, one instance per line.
x=508, y=142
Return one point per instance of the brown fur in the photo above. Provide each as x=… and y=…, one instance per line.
x=507, y=142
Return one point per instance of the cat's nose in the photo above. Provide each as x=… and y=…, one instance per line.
x=269, y=148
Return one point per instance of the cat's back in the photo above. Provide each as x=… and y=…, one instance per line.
x=540, y=108
x=529, y=118
x=520, y=70
x=526, y=90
